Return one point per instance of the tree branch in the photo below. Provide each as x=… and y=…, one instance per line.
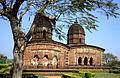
x=47, y=3
x=16, y=6
x=59, y=16
x=28, y=35
x=2, y=13
x=4, y=4
x=22, y=14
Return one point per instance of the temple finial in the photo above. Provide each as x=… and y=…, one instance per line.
x=76, y=20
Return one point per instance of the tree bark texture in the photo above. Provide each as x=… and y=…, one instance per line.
x=17, y=66
x=18, y=58
x=19, y=47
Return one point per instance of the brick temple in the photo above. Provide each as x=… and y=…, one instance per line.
x=45, y=53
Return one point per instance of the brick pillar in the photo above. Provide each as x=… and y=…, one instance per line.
x=82, y=61
x=88, y=61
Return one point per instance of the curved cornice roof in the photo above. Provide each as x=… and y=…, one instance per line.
x=76, y=29
x=85, y=45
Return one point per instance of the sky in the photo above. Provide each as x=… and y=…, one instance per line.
x=106, y=37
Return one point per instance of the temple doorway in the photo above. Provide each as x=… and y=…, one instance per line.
x=80, y=61
x=91, y=61
x=85, y=61
x=44, y=34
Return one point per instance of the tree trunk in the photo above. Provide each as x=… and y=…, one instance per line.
x=19, y=47
x=18, y=58
x=17, y=66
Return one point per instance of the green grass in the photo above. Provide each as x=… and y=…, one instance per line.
x=97, y=75
x=107, y=75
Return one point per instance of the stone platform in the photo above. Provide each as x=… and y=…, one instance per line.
x=50, y=72
x=59, y=72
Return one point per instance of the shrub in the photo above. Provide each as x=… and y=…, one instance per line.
x=94, y=70
x=5, y=68
x=66, y=76
x=87, y=75
x=110, y=71
x=4, y=65
x=78, y=75
x=29, y=76
x=3, y=75
x=115, y=70
x=115, y=67
x=71, y=75
x=92, y=74
x=82, y=74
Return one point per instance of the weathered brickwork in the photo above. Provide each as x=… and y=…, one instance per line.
x=93, y=55
x=48, y=50
x=43, y=52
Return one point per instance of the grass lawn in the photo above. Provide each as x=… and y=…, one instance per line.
x=107, y=75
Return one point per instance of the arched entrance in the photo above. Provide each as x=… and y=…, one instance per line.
x=45, y=61
x=37, y=57
x=44, y=33
x=35, y=61
x=85, y=61
x=80, y=61
x=91, y=61
x=46, y=56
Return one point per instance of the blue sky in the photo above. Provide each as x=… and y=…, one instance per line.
x=106, y=37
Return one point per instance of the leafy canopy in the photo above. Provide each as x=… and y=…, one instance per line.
x=65, y=11
x=111, y=60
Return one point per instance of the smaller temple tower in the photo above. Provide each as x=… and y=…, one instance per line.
x=76, y=34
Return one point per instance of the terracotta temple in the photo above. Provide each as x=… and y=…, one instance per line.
x=45, y=53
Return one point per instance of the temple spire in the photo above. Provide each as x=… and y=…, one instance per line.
x=76, y=21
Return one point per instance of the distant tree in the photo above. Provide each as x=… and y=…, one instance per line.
x=111, y=60
x=9, y=61
x=3, y=59
x=63, y=10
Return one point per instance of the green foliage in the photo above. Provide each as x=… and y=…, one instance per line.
x=78, y=75
x=3, y=59
x=5, y=68
x=4, y=75
x=71, y=75
x=29, y=76
x=92, y=74
x=14, y=10
x=111, y=60
x=5, y=65
x=9, y=61
x=82, y=74
x=115, y=67
x=94, y=70
x=65, y=11
x=107, y=75
x=2, y=62
x=115, y=70
x=88, y=75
